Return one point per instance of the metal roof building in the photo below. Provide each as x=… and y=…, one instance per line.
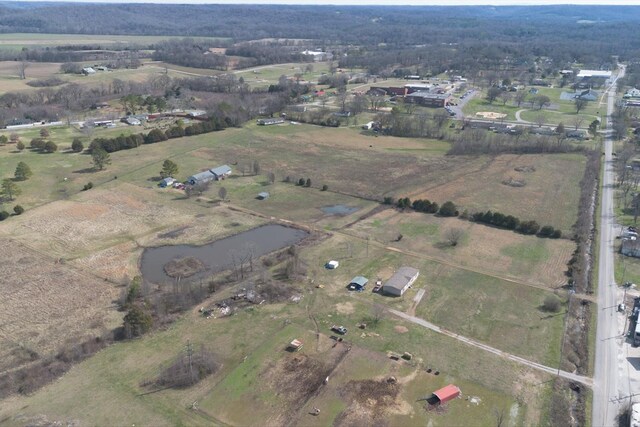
x=358, y=283
x=594, y=73
x=221, y=171
x=447, y=393
x=400, y=281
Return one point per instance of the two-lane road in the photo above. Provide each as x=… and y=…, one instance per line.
x=608, y=384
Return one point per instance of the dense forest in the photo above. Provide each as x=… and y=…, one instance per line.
x=593, y=28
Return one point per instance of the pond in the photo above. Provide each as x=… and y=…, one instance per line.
x=218, y=256
x=339, y=210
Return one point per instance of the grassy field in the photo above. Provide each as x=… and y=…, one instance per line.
x=478, y=104
x=43, y=307
x=16, y=41
x=264, y=76
x=560, y=111
x=252, y=362
x=102, y=232
x=502, y=252
x=481, y=188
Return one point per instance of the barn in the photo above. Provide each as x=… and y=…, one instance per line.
x=446, y=394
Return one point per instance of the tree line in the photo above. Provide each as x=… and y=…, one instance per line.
x=496, y=219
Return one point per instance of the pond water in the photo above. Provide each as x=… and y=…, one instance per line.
x=338, y=210
x=218, y=256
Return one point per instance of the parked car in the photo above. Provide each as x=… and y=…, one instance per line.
x=339, y=329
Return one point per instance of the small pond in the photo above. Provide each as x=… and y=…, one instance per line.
x=339, y=210
x=217, y=256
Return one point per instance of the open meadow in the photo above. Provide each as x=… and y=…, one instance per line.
x=256, y=371
x=490, y=287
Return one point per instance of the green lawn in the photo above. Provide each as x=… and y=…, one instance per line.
x=483, y=308
x=479, y=103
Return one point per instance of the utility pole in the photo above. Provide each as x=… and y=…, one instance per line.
x=368, y=237
x=564, y=329
x=190, y=356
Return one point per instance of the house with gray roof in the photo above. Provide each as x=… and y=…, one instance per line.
x=200, y=178
x=401, y=280
x=221, y=172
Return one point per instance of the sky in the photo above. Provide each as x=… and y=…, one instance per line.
x=381, y=2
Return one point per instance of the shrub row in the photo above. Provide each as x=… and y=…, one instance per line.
x=448, y=208
x=510, y=222
x=17, y=210
x=122, y=142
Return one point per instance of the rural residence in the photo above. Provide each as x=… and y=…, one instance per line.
x=402, y=280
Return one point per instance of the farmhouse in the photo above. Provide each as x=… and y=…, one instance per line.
x=398, y=284
x=632, y=93
x=200, y=178
x=221, y=172
x=167, y=182
x=446, y=394
x=428, y=99
x=358, y=283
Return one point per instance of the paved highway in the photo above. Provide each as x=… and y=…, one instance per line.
x=608, y=383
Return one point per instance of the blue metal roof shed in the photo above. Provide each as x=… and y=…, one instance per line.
x=358, y=283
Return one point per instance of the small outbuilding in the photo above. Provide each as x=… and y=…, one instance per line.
x=263, y=195
x=295, y=345
x=402, y=280
x=332, y=265
x=446, y=394
x=358, y=283
x=167, y=182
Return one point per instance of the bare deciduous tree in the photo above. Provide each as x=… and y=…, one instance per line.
x=453, y=236
x=22, y=68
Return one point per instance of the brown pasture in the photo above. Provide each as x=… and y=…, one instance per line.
x=45, y=303
x=550, y=195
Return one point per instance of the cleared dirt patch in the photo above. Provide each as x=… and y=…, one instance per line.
x=370, y=400
x=298, y=377
x=401, y=329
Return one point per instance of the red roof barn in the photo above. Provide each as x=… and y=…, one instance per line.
x=446, y=394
